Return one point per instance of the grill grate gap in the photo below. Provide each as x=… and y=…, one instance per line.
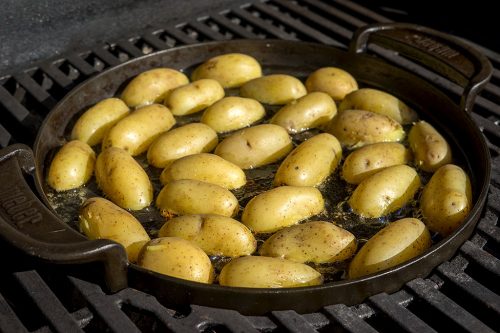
x=94, y=61
x=291, y=33
x=211, y=24
x=144, y=320
x=215, y=328
x=193, y=33
x=118, y=52
x=71, y=72
x=167, y=39
x=49, y=85
x=142, y=45
x=253, y=29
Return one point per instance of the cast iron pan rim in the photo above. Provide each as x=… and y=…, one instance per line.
x=471, y=219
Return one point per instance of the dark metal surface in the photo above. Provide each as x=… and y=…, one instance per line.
x=469, y=280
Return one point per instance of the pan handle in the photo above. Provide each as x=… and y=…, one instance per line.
x=28, y=225
x=443, y=53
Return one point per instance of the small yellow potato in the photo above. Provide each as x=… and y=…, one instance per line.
x=233, y=113
x=182, y=141
x=152, y=86
x=396, y=243
x=370, y=159
x=266, y=272
x=177, y=257
x=255, y=146
x=96, y=121
x=310, y=111
x=282, y=207
x=137, y=131
x=205, y=167
x=334, y=81
x=194, y=97
x=230, y=70
x=446, y=199
x=214, y=234
x=101, y=219
x=379, y=102
x=385, y=192
x=275, y=89
x=311, y=162
x=123, y=180
x=72, y=166
x=357, y=128
x=188, y=196
x=317, y=242
x=430, y=148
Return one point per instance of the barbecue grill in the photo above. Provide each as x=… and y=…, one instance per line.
x=461, y=294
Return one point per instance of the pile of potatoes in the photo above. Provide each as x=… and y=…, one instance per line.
x=373, y=140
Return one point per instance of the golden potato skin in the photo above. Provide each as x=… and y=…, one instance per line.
x=266, y=272
x=446, y=199
x=311, y=162
x=182, y=141
x=152, y=86
x=123, y=180
x=72, y=166
x=309, y=111
x=274, y=89
x=357, y=128
x=233, y=113
x=316, y=241
x=255, y=146
x=231, y=70
x=215, y=234
x=370, y=159
x=431, y=150
x=205, y=167
x=334, y=81
x=101, y=219
x=379, y=102
x=177, y=257
x=194, y=97
x=385, y=192
x=282, y=207
x=396, y=243
x=188, y=196
x=97, y=120
x=137, y=131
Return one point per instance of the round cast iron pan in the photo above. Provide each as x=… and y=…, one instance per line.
x=29, y=225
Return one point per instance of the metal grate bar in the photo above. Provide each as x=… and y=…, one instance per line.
x=256, y=21
x=5, y=137
x=56, y=75
x=153, y=40
x=130, y=48
x=181, y=36
x=335, y=12
x=105, y=56
x=427, y=291
x=9, y=322
x=237, y=29
x=204, y=318
x=47, y=302
x=399, y=314
x=362, y=10
x=15, y=108
x=481, y=257
x=207, y=31
x=348, y=319
x=81, y=65
x=293, y=322
x=40, y=94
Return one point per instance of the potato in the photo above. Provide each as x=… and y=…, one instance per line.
x=230, y=70
x=123, y=180
x=100, y=218
x=370, y=159
x=96, y=121
x=177, y=257
x=137, y=131
x=266, y=272
x=430, y=149
x=186, y=140
x=334, y=81
x=205, y=167
x=309, y=111
x=214, y=234
x=232, y=113
x=282, y=207
x=274, y=89
x=188, y=196
x=194, y=97
x=72, y=166
x=396, y=243
x=152, y=86
x=255, y=146
x=317, y=242
x=311, y=162
x=379, y=102
x=385, y=192
x=446, y=199
x=357, y=128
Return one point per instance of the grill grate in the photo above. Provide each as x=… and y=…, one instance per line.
x=461, y=294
